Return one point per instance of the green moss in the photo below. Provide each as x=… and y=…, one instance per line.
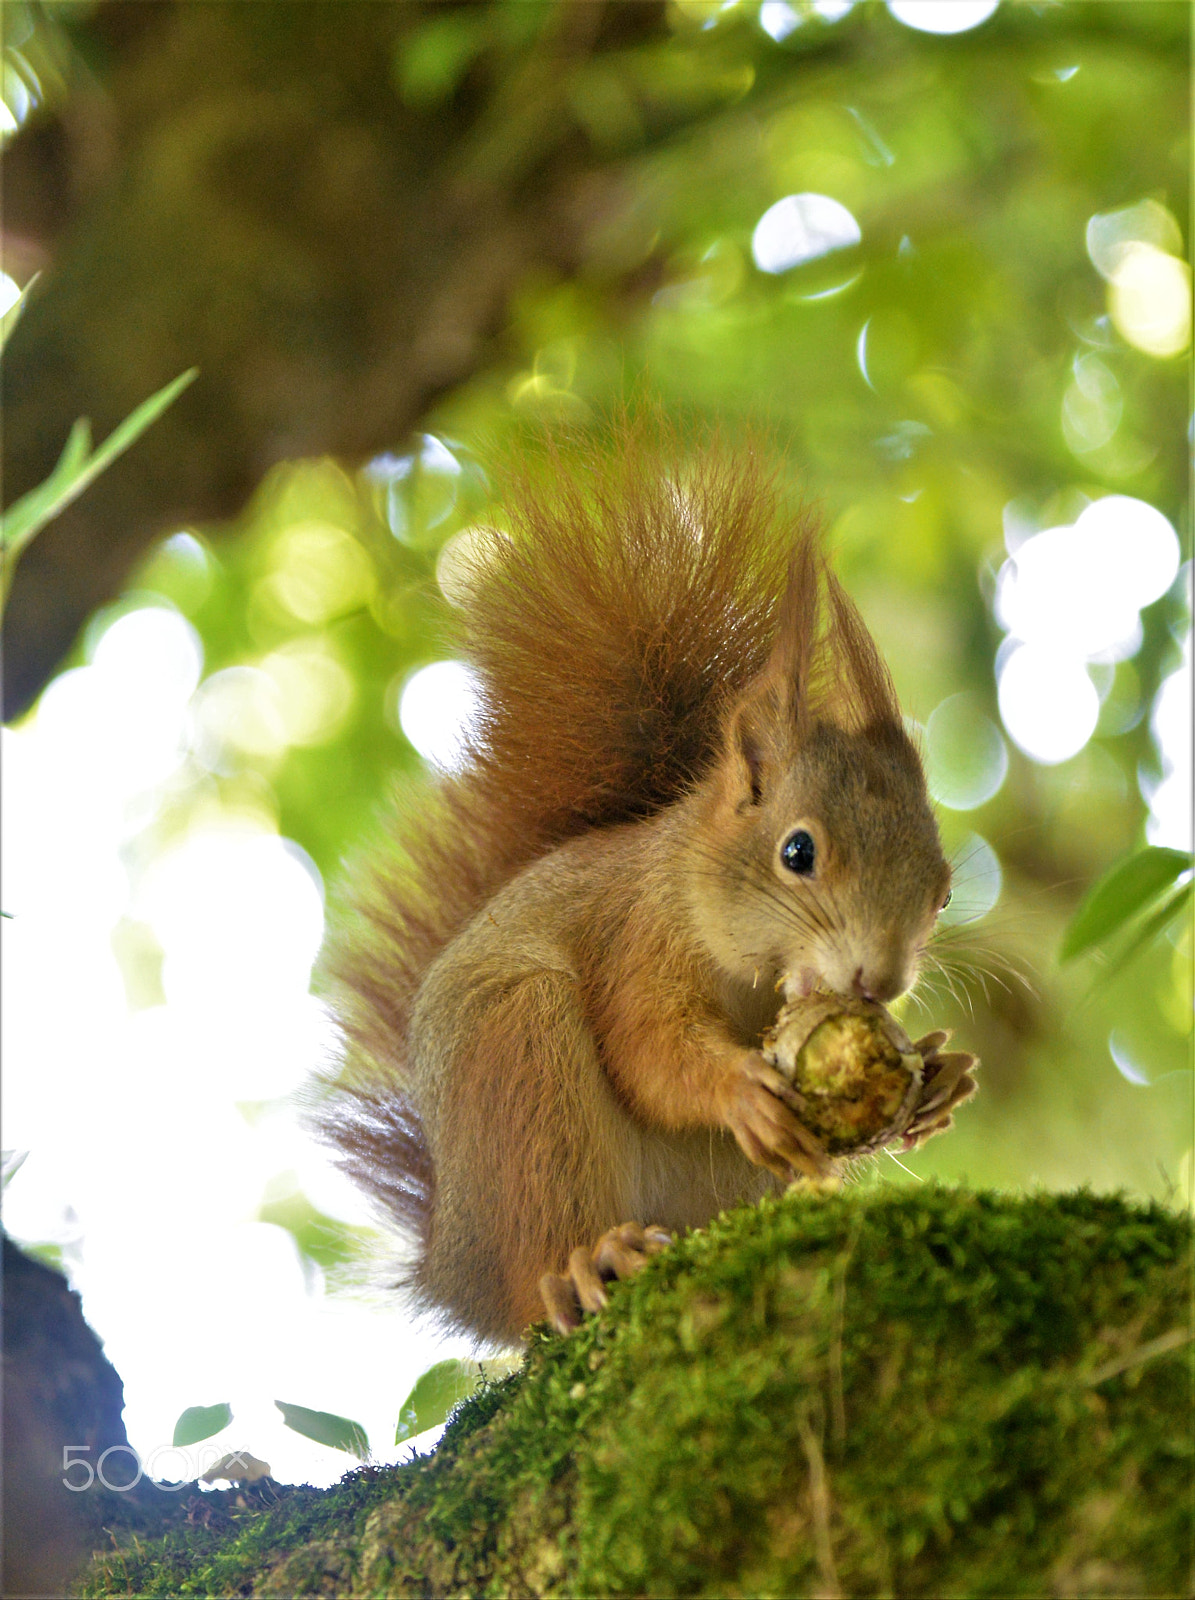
x=878, y=1392
x=221, y=1542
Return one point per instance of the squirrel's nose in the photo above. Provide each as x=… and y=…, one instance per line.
x=877, y=986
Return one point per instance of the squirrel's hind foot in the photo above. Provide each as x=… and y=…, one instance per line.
x=619, y=1253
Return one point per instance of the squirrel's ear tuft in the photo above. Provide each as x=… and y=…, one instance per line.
x=823, y=666
x=795, y=650
x=823, y=652
x=861, y=694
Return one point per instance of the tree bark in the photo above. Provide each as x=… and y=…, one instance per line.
x=244, y=188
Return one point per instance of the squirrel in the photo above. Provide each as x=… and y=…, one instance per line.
x=688, y=784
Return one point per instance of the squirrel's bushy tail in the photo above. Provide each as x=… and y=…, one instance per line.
x=633, y=593
x=636, y=592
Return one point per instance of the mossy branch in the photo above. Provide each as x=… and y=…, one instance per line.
x=875, y=1392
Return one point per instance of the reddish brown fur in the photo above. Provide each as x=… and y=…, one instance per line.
x=643, y=624
x=579, y=730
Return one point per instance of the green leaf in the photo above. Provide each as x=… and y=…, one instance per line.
x=325, y=1427
x=12, y=316
x=32, y=511
x=11, y=1162
x=10, y=1165
x=1153, y=926
x=434, y=59
x=77, y=468
x=1128, y=889
x=439, y=1389
x=201, y=1422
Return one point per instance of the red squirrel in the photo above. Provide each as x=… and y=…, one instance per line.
x=688, y=784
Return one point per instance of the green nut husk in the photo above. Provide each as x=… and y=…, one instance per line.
x=856, y=1075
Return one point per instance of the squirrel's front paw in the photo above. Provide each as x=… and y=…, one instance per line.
x=619, y=1253
x=759, y=1113
x=946, y=1083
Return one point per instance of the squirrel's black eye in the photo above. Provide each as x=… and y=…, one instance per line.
x=797, y=852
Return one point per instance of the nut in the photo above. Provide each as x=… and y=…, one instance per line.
x=855, y=1073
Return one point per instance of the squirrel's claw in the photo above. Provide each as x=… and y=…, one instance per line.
x=764, y=1122
x=948, y=1082
x=932, y=1042
x=587, y=1281
x=619, y=1253
x=560, y=1302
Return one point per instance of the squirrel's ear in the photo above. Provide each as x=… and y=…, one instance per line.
x=755, y=742
x=772, y=709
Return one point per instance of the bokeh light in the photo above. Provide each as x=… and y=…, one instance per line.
x=1128, y=1068
x=965, y=756
x=1071, y=595
x=234, y=907
x=421, y=487
x=122, y=724
x=1110, y=233
x=16, y=97
x=237, y=713
x=942, y=16
x=1137, y=250
x=436, y=707
x=1149, y=299
x=320, y=571
x=461, y=559
x=1092, y=405
x=800, y=228
x=1081, y=588
x=778, y=19
x=976, y=882
x=1048, y=702
x=1170, y=821
x=184, y=957
x=315, y=690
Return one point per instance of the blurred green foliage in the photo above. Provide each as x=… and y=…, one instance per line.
x=325, y=1427
x=919, y=381
x=435, y=1394
x=1142, y=886
x=77, y=466
x=197, y=1423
